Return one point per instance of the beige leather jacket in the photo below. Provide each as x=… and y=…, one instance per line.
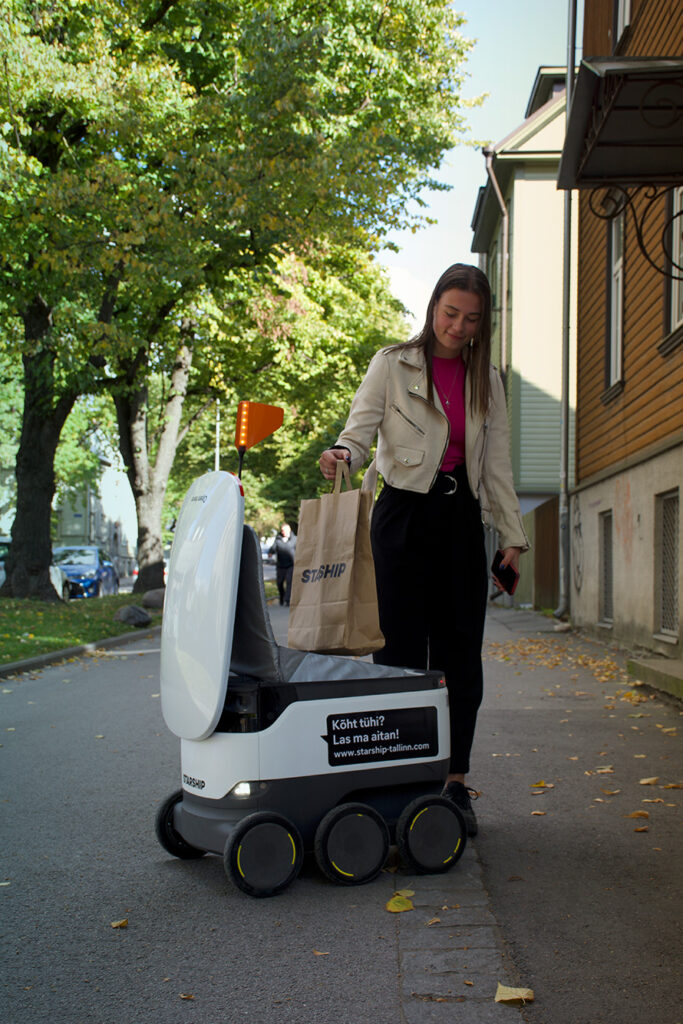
x=391, y=402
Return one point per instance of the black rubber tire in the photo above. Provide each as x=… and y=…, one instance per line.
x=263, y=854
x=171, y=840
x=351, y=844
x=431, y=835
x=66, y=591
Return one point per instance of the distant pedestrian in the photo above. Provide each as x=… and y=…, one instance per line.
x=283, y=547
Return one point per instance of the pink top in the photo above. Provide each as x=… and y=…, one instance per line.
x=449, y=381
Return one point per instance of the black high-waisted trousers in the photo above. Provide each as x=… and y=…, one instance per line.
x=432, y=586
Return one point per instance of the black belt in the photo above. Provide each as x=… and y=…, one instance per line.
x=447, y=484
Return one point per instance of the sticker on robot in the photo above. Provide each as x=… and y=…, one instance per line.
x=392, y=735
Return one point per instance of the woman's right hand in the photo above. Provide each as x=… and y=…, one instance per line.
x=328, y=461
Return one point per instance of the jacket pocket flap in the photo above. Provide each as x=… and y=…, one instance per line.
x=408, y=456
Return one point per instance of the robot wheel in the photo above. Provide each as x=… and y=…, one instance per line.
x=431, y=834
x=170, y=839
x=263, y=854
x=351, y=844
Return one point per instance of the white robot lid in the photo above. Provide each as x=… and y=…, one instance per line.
x=199, y=606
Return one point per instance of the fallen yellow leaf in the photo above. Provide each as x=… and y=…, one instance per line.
x=672, y=785
x=650, y=782
x=514, y=996
x=538, y=814
x=611, y=792
x=543, y=785
x=470, y=983
x=434, y=920
x=120, y=924
x=404, y=892
x=316, y=952
x=399, y=904
x=638, y=814
x=186, y=995
x=642, y=828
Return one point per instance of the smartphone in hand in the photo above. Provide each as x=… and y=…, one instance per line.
x=507, y=577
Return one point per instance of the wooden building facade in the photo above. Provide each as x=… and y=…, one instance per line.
x=627, y=161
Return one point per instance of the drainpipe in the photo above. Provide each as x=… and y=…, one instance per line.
x=488, y=155
x=563, y=540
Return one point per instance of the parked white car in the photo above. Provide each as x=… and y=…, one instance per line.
x=58, y=577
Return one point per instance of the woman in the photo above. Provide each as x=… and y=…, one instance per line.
x=438, y=409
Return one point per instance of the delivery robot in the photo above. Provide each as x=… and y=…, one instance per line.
x=282, y=751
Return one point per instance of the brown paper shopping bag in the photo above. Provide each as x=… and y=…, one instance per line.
x=333, y=606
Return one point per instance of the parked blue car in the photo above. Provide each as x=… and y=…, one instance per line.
x=90, y=567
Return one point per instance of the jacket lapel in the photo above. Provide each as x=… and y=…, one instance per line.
x=413, y=360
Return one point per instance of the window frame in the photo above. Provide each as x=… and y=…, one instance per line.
x=672, y=318
x=606, y=568
x=667, y=555
x=614, y=334
x=621, y=21
x=676, y=296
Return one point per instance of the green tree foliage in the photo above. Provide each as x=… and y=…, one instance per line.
x=86, y=438
x=152, y=154
x=303, y=344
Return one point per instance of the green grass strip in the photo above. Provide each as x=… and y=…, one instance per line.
x=29, y=628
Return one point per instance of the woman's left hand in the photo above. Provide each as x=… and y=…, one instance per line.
x=511, y=557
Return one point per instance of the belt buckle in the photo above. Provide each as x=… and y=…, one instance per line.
x=452, y=479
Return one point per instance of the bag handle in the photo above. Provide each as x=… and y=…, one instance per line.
x=342, y=470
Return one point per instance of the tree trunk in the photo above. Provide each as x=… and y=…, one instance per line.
x=27, y=565
x=148, y=480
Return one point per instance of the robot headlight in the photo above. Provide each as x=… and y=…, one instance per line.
x=243, y=789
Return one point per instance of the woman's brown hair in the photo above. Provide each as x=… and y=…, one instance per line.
x=467, y=279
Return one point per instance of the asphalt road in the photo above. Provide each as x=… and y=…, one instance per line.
x=572, y=902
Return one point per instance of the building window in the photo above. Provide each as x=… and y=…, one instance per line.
x=615, y=317
x=605, y=597
x=666, y=547
x=677, y=259
x=622, y=18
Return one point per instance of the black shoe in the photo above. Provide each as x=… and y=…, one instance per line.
x=462, y=797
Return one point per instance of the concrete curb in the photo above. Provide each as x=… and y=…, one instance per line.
x=665, y=674
x=14, y=668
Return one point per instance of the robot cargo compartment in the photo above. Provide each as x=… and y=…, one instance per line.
x=252, y=705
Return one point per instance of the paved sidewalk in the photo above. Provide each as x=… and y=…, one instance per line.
x=572, y=887
x=451, y=953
